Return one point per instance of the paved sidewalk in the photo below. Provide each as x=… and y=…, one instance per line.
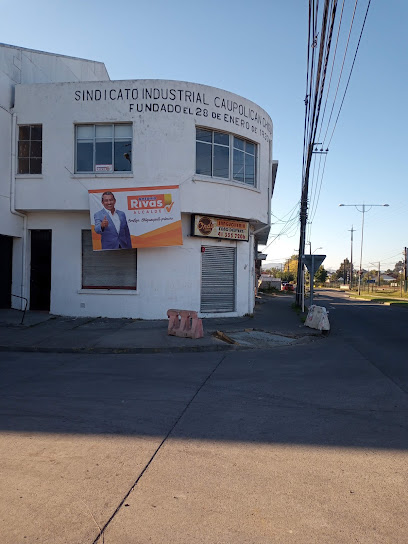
x=299, y=445
x=273, y=319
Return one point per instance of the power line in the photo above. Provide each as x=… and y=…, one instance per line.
x=327, y=26
x=313, y=212
x=341, y=70
x=316, y=186
x=351, y=71
x=332, y=69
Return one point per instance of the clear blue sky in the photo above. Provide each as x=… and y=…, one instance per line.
x=258, y=50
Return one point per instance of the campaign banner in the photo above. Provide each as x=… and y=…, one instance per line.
x=218, y=227
x=135, y=217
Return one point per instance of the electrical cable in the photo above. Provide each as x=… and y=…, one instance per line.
x=342, y=102
x=332, y=69
x=282, y=232
x=341, y=70
x=313, y=194
x=288, y=213
x=351, y=71
x=313, y=213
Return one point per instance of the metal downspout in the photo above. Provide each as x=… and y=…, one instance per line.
x=13, y=204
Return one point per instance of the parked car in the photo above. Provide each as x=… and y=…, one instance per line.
x=287, y=286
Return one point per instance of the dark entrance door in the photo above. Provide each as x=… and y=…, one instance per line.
x=6, y=252
x=40, y=278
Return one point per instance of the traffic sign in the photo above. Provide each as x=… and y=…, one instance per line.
x=312, y=262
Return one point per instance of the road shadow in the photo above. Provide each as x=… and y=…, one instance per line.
x=325, y=393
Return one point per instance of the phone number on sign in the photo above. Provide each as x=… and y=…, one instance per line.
x=234, y=235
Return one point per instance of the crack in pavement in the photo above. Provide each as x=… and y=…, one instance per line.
x=102, y=531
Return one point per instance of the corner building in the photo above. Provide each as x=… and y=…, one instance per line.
x=204, y=150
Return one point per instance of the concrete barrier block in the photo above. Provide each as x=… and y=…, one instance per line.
x=317, y=318
x=185, y=324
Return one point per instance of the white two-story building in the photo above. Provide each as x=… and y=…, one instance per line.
x=191, y=174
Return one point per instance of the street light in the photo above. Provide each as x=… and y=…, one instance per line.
x=310, y=247
x=363, y=210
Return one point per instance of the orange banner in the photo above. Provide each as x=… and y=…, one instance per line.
x=136, y=217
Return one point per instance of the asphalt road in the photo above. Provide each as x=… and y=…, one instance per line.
x=299, y=444
x=377, y=331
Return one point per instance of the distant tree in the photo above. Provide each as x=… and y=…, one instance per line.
x=370, y=274
x=398, y=268
x=274, y=272
x=344, y=270
x=290, y=269
x=321, y=275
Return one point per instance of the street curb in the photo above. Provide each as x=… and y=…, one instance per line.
x=124, y=351
x=151, y=350
x=401, y=302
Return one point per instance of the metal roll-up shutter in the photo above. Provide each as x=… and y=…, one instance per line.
x=109, y=269
x=218, y=279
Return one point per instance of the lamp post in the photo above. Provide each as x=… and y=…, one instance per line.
x=310, y=248
x=363, y=210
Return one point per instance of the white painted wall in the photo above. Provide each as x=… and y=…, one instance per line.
x=167, y=277
x=163, y=146
x=19, y=65
x=163, y=154
x=10, y=225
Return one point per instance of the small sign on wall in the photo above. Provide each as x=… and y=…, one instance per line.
x=218, y=227
x=103, y=168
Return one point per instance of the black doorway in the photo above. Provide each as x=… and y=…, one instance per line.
x=6, y=252
x=40, y=278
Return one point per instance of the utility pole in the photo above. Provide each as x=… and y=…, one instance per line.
x=363, y=210
x=405, y=269
x=303, y=221
x=318, y=77
x=351, y=257
x=378, y=273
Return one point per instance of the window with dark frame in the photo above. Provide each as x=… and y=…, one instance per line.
x=107, y=269
x=103, y=148
x=244, y=161
x=29, y=149
x=223, y=155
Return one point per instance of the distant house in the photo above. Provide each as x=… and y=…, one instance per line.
x=267, y=282
x=386, y=277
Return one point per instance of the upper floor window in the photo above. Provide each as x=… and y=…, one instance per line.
x=29, y=149
x=222, y=155
x=103, y=148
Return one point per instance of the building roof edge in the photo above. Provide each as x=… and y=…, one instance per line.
x=50, y=53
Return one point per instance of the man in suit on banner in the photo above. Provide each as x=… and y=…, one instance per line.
x=112, y=224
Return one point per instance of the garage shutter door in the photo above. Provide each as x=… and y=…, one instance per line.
x=218, y=279
x=115, y=269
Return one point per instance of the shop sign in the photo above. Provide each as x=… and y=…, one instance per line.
x=135, y=217
x=218, y=227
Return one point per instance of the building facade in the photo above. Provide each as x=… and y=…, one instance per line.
x=190, y=171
